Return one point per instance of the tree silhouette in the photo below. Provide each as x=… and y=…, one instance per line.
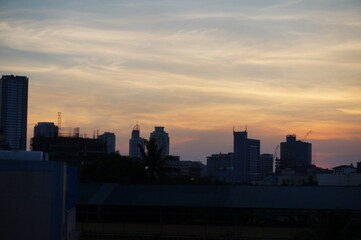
x=155, y=163
x=113, y=168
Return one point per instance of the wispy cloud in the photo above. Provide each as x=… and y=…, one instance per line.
x=193, y=68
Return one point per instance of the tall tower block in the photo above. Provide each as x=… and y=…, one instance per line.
x=14, y=110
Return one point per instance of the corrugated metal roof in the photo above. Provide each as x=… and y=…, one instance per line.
x=287, y=197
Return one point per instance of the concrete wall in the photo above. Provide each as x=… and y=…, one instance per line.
x=353, y=179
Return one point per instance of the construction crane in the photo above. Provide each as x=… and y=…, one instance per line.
x=275, y=154
x=59, y=124
x=59, y=120
x=308, y=133
x=276, y=161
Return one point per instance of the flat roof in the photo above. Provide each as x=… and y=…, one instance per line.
x=228, y=196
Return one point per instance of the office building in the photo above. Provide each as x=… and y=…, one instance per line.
x=46, y=130
x=266, y=165
x=135, y=142
x=14, y=110
x=219, y=166
x=295, y=152
x=246, y=157
x=162, y=139
x=109, y=140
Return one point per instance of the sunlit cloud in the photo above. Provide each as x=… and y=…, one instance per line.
x=197, y=69
x=351, y=111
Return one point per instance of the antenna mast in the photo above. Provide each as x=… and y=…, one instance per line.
x=59, y=123
x=59, y=120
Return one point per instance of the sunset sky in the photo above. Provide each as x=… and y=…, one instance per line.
x=198, y=68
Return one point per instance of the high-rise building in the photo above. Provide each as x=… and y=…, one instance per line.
x=246, y=157
x=14, y=110
x=46, y=130
x=134, y=142
x=109, y=140
x=295, y=152
x=162, y=139
x=266, y=165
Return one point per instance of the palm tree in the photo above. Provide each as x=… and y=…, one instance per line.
x=152, y=158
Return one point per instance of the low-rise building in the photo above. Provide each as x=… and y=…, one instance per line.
x=187, y=168
x=220, y=167
x=72, y=150
x=344, y=175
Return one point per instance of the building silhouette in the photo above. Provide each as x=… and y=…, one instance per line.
x=295, y=152
x=134, y=142
x=220, y=166
x=14, y=110
x=162, y=139
x=73, y=150
x=70, y=147
x=190, y=169
x=266, y=165
x=110, y=140
x=246, y=158
x=46, y=130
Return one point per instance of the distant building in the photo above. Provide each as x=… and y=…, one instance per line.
x=300, y=175
x=344, y=169
x=46, y=129
x=72, y=150
x=344, y=175
x=266, y=165
x=294, y=153
x=14, y=110
x=219, y=166
x=246, y=165
x=134, y=142
x=186, y=168
x=109, y=140
x=352, y=179
x=162, y=139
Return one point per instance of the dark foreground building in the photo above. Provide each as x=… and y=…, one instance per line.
x=37, y=200
x=114, y=211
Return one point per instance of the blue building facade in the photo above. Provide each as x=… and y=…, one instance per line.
x=37, y=200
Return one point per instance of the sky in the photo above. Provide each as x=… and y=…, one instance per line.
x=199, y=68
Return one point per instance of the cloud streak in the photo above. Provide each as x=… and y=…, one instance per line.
x=191, y=67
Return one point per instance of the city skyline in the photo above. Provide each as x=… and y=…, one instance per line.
x=196, y=67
